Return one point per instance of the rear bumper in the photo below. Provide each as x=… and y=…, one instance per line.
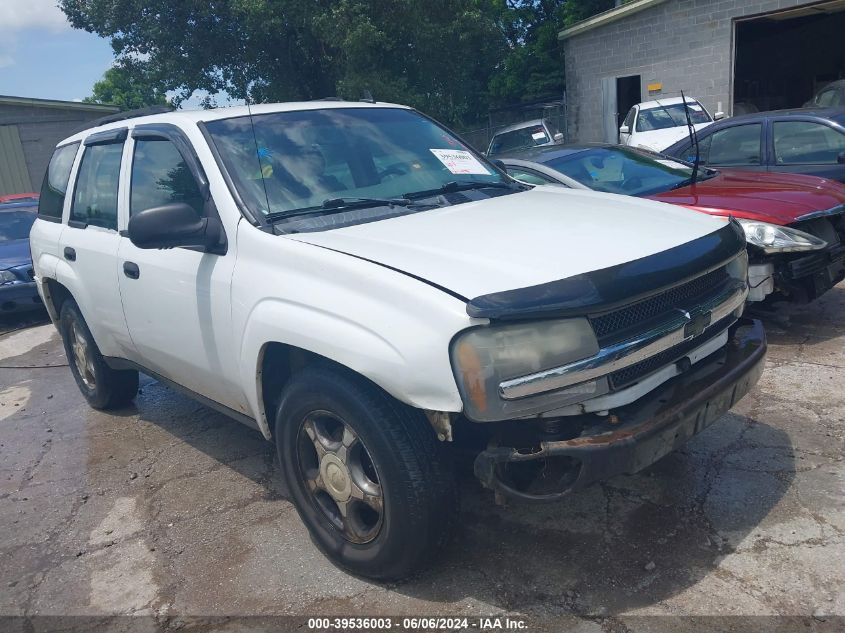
x=645, y=430
x=19, y=297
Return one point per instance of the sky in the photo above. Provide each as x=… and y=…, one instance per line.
x=42, y=56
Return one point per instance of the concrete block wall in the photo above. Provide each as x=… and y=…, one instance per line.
x=683, y=44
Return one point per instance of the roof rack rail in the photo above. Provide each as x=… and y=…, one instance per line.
x=123, y=116
x=329, y=99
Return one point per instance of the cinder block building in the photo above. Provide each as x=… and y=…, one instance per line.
x=29, y=131
x=733, y=55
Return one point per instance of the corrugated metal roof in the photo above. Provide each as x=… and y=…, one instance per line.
x=14, y=176
x=54, y=103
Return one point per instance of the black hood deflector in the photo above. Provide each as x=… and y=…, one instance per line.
x=609, y=288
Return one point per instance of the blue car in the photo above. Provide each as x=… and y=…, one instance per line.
x=17, y=284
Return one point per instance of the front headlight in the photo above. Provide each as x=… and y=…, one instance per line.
x=485, y=356
x=779, y=239
x=7, y=276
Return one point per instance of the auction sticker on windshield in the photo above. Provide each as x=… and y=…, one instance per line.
x=460, y=161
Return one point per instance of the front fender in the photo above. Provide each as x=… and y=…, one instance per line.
x=417, y=375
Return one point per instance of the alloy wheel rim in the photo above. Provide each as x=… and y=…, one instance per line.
x=82, y=357
x=340, y=476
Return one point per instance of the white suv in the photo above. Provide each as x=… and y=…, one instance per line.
x=363, y=288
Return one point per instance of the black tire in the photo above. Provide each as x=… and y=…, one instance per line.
x=413, y=471
x=102, y=386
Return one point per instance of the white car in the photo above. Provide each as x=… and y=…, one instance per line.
x=655, y=125
x=362, y=288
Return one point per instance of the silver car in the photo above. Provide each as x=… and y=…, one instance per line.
x=524, y=135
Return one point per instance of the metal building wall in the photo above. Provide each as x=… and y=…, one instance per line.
x=39, y=127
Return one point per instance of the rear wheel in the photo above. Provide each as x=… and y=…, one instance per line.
x=369, y=480
x=102, y=386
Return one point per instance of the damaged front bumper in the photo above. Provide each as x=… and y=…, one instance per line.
x=638, y=434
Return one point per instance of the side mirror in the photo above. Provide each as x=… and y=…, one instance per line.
x=718, y=116
x=558, y=137
x=500, y=164
x=841, y=158
x=624, y=129
x=174, y=225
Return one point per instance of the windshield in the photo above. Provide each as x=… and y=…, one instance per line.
x=518, y=139
x=289, y=162
x=673, y=115
x=625, y=170
x=15, y=225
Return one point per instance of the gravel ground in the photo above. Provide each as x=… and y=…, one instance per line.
x=169, y=510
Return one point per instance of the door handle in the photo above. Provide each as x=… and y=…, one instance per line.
x=131, y=270
x=70, y=254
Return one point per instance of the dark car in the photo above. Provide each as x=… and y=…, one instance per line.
x=806, y=141
x=794, y=224
x=831, y=95
x=17, y=285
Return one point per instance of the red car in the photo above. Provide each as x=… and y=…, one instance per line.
x=794, y=224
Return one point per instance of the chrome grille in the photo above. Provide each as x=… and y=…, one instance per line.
x=616, y=324
x=631, y=374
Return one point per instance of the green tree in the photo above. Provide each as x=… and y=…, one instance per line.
x=128, y=88
x=532, y=69
x=450, y=58
x=437, y=55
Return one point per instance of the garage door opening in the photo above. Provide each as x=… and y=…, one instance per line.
x=783, y=58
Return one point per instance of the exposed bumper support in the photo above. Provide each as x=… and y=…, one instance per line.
x=645, y=430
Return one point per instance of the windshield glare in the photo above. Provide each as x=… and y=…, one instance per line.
x=15, y=225
x=290, y=161
x=664, y=117
x=623, y=170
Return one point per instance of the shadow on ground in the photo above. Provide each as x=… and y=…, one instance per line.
x=630, y=542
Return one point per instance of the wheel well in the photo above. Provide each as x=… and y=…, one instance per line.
x=278, y=364
x=57, y=294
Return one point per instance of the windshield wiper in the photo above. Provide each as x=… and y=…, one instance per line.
x=342, y=203
x=461, y=185
x=335, y=205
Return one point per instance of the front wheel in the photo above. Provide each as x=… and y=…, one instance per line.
x=370, y=481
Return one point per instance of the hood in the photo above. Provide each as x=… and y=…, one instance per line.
x=658, y=140
x=770, y=197
x=518, y=240
x=14, y=253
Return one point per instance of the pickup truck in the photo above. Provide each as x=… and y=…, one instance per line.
x=370, y=293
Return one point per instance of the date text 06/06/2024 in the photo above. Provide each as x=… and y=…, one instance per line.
x=418, y=624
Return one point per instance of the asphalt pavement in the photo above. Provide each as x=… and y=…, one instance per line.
x=169, y=510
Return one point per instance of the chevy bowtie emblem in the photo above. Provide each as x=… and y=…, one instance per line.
x=685, y=313
x=696, y=324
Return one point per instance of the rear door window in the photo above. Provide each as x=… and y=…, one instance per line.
x=738, y=145
x=95, y=194
x=806, y=143
x=54, y=187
